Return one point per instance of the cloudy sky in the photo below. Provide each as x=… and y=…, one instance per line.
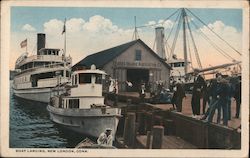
x=90, y=30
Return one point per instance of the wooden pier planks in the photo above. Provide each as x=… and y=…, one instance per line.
x=168, y=142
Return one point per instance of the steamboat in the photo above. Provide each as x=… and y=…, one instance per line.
x=35, y=76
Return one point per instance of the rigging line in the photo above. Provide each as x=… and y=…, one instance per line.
x=195, y=48
x=214, y=45
x=161, y=22
x=176, y=35
x=218, y=49
x=214, y=32
x=170, y=33
x=173, y=27
x=168, y=47
x=190, y=55
x=133, y=35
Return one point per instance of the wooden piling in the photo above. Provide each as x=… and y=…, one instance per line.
x=169, y=126
x=149, y=121
x=158, y=134
x=148, y=144
x=141, y=123
x=129, y=130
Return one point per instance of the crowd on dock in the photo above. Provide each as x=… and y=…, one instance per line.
x=216, y=96
x=216, y=93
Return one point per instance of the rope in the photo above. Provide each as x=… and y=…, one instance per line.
x=214, y=45
x=178, y=16
x=167, y=46
x=161, y=22
x=166, y=40
x=195, y=48
x=214, y=32
x=176, y=35
x=189, y=52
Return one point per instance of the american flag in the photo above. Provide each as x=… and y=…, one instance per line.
x=23, y=43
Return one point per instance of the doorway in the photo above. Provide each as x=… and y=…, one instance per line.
x=136, y=77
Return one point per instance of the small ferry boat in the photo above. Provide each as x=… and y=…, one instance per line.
x=82, y=108
x=36, y=76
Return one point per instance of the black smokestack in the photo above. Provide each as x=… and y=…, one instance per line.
x=41, y=39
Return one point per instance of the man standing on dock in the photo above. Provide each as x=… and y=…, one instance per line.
x=180, y=94
x=237, y=96
x=223, y=94
x=199, y=82
x=142, y=91
x=105, y=138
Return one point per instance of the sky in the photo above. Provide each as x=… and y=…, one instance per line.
x=90, y=30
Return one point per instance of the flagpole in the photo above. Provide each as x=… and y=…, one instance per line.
x=64, y=27
x=27, y=45
x=65, y=38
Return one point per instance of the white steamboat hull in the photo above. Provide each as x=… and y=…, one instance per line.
x=91, y=122
x=36, y=94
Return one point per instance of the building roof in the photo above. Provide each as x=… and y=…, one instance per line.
x=103, y=57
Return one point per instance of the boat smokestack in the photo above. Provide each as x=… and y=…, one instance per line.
x=41, y=40
x=159, y=41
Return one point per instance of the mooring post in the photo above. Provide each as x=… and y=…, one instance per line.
x=169, y=127
x=141, y=127
x=158, y=134
x=148, y=144
x=149, y=121
x=129, y=131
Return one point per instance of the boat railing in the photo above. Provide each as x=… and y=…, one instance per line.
x=54, y=65
x=50, y=81
x=43, y=58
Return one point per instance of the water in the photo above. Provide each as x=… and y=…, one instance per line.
x=30, y=127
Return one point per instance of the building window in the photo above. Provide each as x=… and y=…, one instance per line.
x=138, y=55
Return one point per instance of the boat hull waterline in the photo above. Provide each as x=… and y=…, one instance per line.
x=37, y=94
x=91, y=122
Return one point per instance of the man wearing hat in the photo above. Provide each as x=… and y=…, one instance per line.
x=198, y=85
x=223, y=94
x=105, y=138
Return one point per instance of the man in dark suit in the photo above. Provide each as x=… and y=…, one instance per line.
x=237, y=96
x=199, y=83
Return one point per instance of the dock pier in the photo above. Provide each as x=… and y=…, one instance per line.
x=152, y=126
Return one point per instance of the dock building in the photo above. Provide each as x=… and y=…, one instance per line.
x=133, y=61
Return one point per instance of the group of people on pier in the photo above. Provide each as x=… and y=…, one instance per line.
x=217, y=93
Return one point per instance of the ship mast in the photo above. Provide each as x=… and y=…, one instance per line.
x=135, y=35
x=184, y=41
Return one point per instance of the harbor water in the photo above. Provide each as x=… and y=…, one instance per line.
x=31, y=127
